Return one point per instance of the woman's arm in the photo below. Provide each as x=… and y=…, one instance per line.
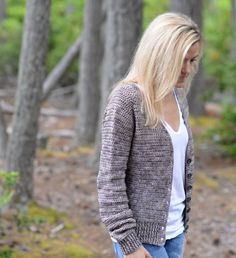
x=117, y=134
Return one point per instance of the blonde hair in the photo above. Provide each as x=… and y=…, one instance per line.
x=158, y=61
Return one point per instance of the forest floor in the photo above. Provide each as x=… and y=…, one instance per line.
x=64, y=221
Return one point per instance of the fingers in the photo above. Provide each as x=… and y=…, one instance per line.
x=141, y=252
x=148, y=256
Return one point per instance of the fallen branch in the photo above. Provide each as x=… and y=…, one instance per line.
x=57, y=112
x=63, y=133
x=63, y=91
x=55, y=230
x=51, y=82
x=7, y=108
x=7, y=93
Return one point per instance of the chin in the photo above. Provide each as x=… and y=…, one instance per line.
x=180, y=85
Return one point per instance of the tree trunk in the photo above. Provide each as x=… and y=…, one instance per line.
x=193, y=9
x=3, y=136
x=22, y=144
x=233, y=24
x=124, y=23
x=2, y=10
x=89, y=75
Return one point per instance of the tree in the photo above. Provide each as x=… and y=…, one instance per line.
x=89, y=75
x=22, y=143
x=233, y=24
x=123, y=28
x=2, y=10
x=193, y=9
x=3, y=136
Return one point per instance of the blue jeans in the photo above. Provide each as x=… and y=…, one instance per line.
x=173, y=248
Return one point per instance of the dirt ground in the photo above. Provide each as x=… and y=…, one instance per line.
x=66, y=180
x=70, y=185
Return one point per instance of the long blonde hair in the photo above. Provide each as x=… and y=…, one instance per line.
x=158, y=61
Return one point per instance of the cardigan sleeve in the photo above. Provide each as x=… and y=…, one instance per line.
x=117, y=133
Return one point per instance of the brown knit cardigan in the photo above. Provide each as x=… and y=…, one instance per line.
x=136, y=169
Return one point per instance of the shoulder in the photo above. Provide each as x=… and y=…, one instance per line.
x=119, y=111
x=124, y=94
x=126, y=91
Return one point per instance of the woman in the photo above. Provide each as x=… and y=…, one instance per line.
x=146, y=164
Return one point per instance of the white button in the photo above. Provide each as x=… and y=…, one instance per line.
x=162, y=228
x=162, y=239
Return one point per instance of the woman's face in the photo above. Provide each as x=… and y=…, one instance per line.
x=191, y=57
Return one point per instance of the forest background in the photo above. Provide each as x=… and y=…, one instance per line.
x=54, y=211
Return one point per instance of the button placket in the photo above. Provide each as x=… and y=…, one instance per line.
x=189, y=161
x=188, y=199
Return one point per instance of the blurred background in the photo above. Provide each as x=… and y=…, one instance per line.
x=58, y=62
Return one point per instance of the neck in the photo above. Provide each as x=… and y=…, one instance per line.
x=169, y=97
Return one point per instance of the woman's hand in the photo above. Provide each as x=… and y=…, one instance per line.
x=141, y=252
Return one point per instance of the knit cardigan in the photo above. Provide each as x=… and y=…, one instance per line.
x=135, y=172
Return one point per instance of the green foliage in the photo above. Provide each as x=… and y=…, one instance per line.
x=55, y=249
x=5, y=252
x=10, y=36
x=65, y=26
x=52, y=248
x=32, y=228
x=8, y=180
x=224, y=133
x=228, y=81
x=66, y=22
x=152, y=9
x=22, y=221
x=37, y=215
x=218, y=42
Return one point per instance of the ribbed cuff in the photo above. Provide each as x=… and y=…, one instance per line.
x=130, y=243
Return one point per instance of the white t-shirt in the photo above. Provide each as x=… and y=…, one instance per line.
x=175, y=225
